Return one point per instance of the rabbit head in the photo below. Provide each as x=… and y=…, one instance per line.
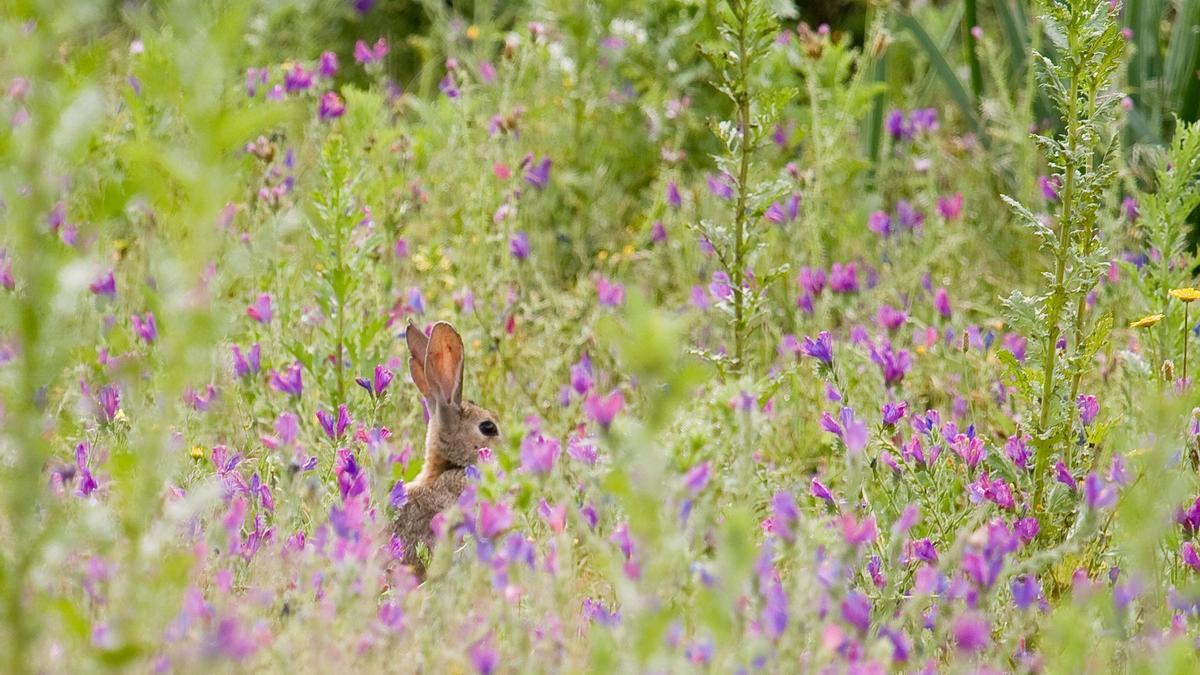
x=457, y=428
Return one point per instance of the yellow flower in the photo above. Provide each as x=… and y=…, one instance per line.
x=1186, y=294
x=1146, y=321
x=472, y=32
x=197, y=452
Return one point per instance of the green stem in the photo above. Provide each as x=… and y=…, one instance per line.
x=970, y=20
x=739, y=245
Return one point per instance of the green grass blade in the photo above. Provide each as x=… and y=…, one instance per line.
x=970, y=53
x=1014, y=35
x=943, y=70
x=1183, y=58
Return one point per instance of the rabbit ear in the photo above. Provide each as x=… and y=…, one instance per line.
x=444, y=364
x=418, y=345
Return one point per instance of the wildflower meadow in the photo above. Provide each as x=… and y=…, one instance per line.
x=639, y=336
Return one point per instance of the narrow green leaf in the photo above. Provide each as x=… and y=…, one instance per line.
x=943, y=70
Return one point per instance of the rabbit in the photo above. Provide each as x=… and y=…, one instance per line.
x=457, y=430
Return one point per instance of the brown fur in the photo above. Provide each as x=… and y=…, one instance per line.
x=452, y=441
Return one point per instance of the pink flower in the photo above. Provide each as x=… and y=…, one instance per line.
x=603, y=409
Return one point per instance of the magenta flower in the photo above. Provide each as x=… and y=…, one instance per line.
x=518, y=246
x=6, y=274
x=811, y=280
x=950, y=208
x=880, y=223
x=603, y=409
x=783, y=212
x=581, y=375
x=890, y=318
x=331, y=107
x=970, y=449
x=843, y=278
x=494, y=518
x=367, y=55
x=484, y=657
x=145, y=327
x=105, y=285
x=1017, y=450
x=971, y=632
x=658, y=233
x=1050, y=186
x=1129, y=207
x=610, y=293
x=260, y=311
x=539, y=453
x=941, y=302
x=289, y=382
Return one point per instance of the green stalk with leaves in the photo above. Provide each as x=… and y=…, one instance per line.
x=1082, y=165
x=747, y=32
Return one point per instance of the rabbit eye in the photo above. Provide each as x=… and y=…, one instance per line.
x=488, y=428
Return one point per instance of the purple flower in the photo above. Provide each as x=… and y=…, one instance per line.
x=334, y=427
x=1050, y=186
x=290, y=381
x=783, y=212
x=720, y=289
x=260, y=311
x=1088, y=407
x=970, y=449
x=105, y=285
x=538, y=173
x=971, y=632
x=893, y=412
x=880, y=223
x=484, y=656
x=843, y=278
x=894, y=364
x=785, y=513
x=538, y=453
x=297, y=78
x=581, y=375
x=721, y=186
x=331, y=107
x=941, y=302
x=603, y=409
x=1017, y=450
x=1096, y=493
x=376, y=387
x=890, y=318
x=327, y=66
x=1025, y=591
x=518, y=246
x=898, y=127
x=818, y=490
x=1189, y=555
x=673, y=197
x=1129, y=207
x=856, y=611
x=854, y=433
x=1026, y=529
x=820, y=349
x=812, y=280
x=908, y=217
x=397, y=496
x=697, y=477
x=145, y=327
x=248, y=363
x=1063, y=475
x=448, y=86
x=610, y=293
